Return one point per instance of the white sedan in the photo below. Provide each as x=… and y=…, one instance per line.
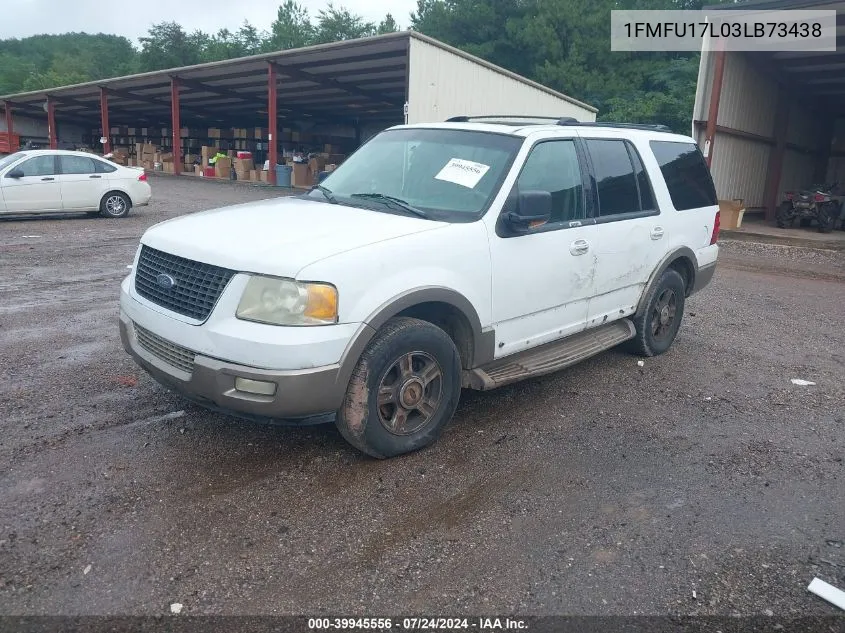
x=58, y=181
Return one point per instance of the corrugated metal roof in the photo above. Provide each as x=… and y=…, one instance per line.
x=363, y=79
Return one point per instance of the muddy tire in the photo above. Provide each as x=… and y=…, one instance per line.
x=784, y=215
x=115, y=205
x=661, y=319
x=403, y=391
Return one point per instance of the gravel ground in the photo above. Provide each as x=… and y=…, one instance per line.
x=704, y=482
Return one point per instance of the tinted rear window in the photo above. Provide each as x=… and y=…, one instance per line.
x=685, y=173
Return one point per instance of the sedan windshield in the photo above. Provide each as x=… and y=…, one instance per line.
x=11, y=158
x=449, y=175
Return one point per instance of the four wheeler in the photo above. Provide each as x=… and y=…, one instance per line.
x=819, y=203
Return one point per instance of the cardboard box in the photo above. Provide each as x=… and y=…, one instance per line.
x=242, y=167
x=169, y=168
x=263, y=175
x=213, y=132
x=198, y=170
x=317, y=164
x=148, y=164
x=166, y=157
x=330, y=168
x=255, y=176
x=302, y=176
x=207, y=152
x=731, y=213
x=223, y=168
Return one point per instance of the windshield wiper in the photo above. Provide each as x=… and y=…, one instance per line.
x=327, y=193
x=391, y=200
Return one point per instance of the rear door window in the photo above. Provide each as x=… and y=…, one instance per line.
x=686, y=174
x=76, y=164
x=616, y=180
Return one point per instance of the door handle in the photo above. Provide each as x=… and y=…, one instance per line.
x=657, y=232
x=48, y=178
x=95, y=176
x=579, y=247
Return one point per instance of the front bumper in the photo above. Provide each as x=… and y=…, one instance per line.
x=211, y=382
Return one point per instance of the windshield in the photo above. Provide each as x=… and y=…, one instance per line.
x=11, y=158
x=447, y=175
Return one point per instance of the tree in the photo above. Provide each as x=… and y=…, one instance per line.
x=387, y=25
x=292, y=28
x=336, y=24
x=168, y=46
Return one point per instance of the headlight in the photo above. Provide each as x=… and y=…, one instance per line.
x=287, y=302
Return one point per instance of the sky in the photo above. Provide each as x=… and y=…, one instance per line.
x=132, y=18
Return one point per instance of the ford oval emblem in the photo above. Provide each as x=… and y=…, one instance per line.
x=165, y=281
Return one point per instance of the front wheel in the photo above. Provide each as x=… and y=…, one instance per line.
x=115, y=205
x=403, y=391
x=659, y=323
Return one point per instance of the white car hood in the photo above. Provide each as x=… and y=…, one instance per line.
x=279, y=236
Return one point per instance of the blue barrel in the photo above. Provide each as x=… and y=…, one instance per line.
x=283, y=175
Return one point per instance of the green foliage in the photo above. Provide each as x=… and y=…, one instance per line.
x=44, y=61
x=565, y=44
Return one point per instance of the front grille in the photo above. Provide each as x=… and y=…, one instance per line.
x=197, y=286
x=172, y=354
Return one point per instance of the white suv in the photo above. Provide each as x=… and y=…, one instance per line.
x=471, y=253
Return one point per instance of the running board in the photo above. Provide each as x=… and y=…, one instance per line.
x=550, y=357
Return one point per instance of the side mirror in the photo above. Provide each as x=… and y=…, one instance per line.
x=531, y=207
x=15, y=173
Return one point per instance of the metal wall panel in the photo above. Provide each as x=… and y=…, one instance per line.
x=37, y=128
x=797, y=172
x=443, y=84
x=749, y=98
x=739, y=169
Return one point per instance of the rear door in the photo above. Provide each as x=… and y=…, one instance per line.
x=81, y=184
x=36, y=190
x=629, y=235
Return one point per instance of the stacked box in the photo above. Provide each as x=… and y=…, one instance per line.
x=223, y=168
x=242, y=168
x=302, y=175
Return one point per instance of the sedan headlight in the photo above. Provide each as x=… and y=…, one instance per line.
x=279, y=301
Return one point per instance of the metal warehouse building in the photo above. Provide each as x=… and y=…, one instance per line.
x=345, y=90
x=769, y=122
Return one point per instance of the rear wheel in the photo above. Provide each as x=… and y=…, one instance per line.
x=403, y=391
x=828, y=214
x=659, y=323
x=115, y=205
x=784, y=215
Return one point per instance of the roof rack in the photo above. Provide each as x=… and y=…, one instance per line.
x=564, y=121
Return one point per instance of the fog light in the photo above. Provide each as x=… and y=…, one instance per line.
x=258, y=387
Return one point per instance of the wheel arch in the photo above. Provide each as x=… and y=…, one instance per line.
x=684, y=261
x=110, y=192
x=443, y=307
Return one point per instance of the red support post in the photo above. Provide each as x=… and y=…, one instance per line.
x=51, y=124
x=104, y=120
x=9, y=127
x=177, y=128
x=715, y=97
x=272, y=122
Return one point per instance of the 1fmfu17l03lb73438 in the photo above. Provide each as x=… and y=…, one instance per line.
x=471, y=253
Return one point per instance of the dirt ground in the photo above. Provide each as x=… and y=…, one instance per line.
x=704, y=482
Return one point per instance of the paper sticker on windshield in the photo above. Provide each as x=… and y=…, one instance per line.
x=463, y=172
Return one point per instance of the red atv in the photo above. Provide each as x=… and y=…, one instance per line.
x=822, y=203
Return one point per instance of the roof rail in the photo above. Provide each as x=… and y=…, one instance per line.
x=633, y=126
x=564, y=121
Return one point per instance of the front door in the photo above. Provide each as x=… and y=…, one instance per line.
x=542, y=279
x=629, y=238
x=36, y=188
x=82, y=187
